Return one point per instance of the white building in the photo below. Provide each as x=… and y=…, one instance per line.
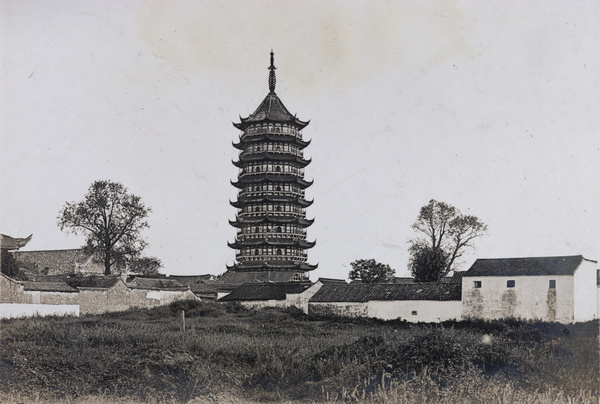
x=556, y=289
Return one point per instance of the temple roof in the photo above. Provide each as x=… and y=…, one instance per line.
x=241, y=221
x=268, y=156
x=270, y=265
x=244, y=200
x=275, y=178
x=12, y=243
x=270, y=137
x=271, y=109
x=275, y=242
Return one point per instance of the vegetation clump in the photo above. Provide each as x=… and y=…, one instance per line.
x=230, y=353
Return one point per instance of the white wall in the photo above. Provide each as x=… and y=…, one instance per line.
x=13, y=310
x=585, y=294
x=414, y=311
x=530, y=299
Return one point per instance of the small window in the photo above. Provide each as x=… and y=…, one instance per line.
x=510, y=284
x=477, y=284
x=552, y=284
x=414, y=313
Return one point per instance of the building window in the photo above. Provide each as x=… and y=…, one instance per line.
x=510, y=284
x=552, y=284
x=477, y=284
x=414, y=313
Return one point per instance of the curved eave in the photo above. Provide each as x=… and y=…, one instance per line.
x=249, y=121
x=274, y=242
x=266, y=156
x=240, y=222
x=275, y=178
x=270, y=265
x=244, y=139
x=243, y=201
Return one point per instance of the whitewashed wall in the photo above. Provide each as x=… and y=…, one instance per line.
x=15, y=310
x=530, y=299
x=586, y=292
x=414, y=311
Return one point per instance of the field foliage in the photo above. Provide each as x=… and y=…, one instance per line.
x=228, y=353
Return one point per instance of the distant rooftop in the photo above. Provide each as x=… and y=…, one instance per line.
x=531, y=266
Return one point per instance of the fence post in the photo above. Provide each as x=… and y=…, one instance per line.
x=183, y=320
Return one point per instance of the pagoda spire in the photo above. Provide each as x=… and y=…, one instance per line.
x=272, y=80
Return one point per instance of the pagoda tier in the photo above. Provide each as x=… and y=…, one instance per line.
x=244, y=201
x=271, y=218
x=271, y=265
x=270, y=157
x=274, y=241
x=243, y=221
x=256, y=178
x=245, y=140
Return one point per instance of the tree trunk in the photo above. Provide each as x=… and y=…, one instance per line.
x=107, y=263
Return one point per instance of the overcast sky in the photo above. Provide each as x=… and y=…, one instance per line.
x=492, y=107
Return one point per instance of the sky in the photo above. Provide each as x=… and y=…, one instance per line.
x=492, y=107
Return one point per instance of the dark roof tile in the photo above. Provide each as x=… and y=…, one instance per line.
x=365, y=292
x=532, y=266
x=265, y=291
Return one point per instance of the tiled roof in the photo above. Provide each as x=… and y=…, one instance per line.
x=157, y=283
x=270, y=109
x=49, y=287
x=331, y=281
x=60, y=261
x=388, y=291
x=265, y=291
x=12, y=243
x=241, y=277
x=532, y=266
x=99, y=282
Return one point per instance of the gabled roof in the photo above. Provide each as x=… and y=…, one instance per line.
x=331, y=281
x=241, y=277
x=265, y=291
x=156, y=284
x=532, y=266
x=60, y=261
x=96, y=282
x=433, y=291
x=49, y=287
x=12, y=243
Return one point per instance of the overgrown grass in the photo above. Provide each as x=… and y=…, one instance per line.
x=229, y=353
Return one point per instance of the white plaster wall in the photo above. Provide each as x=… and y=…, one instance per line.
x=530, y=299
x=300, y=300
x=414, y=311
x=346, y=309
x=14, y=310
x=586, y=292
x=259, y=304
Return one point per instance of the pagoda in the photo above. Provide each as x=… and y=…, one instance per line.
x=271, y=220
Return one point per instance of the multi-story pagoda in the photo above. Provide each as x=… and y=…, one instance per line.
x=271, y=220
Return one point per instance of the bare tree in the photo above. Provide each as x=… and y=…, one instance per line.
x=443, y=227
x=111, y=220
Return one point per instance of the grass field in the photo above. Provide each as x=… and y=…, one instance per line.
x=230, y=354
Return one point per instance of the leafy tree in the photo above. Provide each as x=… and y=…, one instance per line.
x=443, y=228
x=370, y=271
x=428, y=264
x=145, y=266
x=10, y=266
x=111, y=219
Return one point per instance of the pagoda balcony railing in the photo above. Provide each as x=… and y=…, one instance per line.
x=265, y=235
x=265, y=257
x=266, y=150
x=243, y=174
x=272, y=213
x=273, y=193
x=287, y=131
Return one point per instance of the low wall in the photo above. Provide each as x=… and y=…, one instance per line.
x=14, y=310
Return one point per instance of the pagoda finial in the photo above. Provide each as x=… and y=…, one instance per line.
x=272, y=74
